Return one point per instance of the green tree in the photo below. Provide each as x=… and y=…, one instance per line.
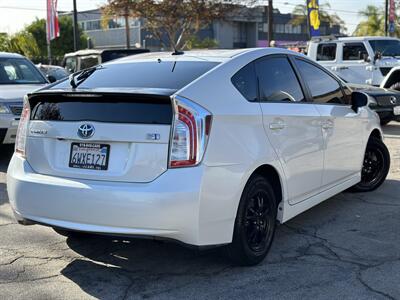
x=24, y=43
x=118, y=8
x=374, y=24
x=4, y=39
x=300, y=13
x=195, y=43
x=172, y=22
x=60, y=45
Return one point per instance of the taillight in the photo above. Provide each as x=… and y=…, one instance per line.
x=190, y=132
x=22, y=131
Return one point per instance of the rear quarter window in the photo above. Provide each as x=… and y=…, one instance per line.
x=245, y=81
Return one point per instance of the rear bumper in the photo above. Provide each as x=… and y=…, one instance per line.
x=168, y=207
x=8, y=128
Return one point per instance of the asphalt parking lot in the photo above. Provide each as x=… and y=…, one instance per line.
x=347, y=247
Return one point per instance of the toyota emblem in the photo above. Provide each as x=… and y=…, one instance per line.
x=86, y=131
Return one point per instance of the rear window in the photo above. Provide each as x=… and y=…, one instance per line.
x=138, y=109
x=149, y=74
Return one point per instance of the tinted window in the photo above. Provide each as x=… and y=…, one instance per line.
x=113, y=109
x=70, y=64
x=89, y=61
x=354, y=51
x=323, y=87
x=277, y=80
x=149, y=74
x=246, y=82
x=326, y=52
x=19, y=71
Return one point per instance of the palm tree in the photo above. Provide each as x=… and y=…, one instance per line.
x=374, y=23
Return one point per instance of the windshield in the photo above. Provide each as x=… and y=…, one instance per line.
x=19, y=71
x=386, y=47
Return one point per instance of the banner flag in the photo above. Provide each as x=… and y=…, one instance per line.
x=392, y=16
x=52, y=27
x=313, y=17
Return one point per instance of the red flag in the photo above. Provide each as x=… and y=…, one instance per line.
x=52, y=28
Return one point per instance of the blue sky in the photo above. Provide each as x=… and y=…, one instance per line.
x=13, y=19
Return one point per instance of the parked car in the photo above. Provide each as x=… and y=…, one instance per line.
x=84, y=59
x=207, y=148
x=385, y=102
x=53, y=73
x=18, y=76
x=360, y=60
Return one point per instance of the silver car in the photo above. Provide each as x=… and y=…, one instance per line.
x=18, y=76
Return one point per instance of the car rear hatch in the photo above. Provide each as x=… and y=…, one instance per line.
x=100, y=136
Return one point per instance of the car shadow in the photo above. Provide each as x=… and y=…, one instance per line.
x=393, y=128
x=3, y=194
x=145, y=268
x=6, y=152
x=120, y=263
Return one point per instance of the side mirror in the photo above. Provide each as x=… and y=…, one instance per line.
x=51, y=78
x=358, y=99
x=377, y=56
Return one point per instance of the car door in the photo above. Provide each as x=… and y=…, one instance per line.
x=292, y=126
x=351, y=65
x=341, y=125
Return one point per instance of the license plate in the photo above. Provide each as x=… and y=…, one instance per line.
x=89, y=156
x=396, y=110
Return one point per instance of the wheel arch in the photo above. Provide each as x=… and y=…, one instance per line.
x=391, y=78
x=270, y=173
x=376, y=133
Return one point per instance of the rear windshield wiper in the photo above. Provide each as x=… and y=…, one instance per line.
x=77, y=78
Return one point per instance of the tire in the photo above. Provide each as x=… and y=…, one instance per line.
x=255, y=223
x=395, y=86
x=375, y=168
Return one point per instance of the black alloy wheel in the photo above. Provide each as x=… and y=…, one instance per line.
x=375, y=167
x=255, y=223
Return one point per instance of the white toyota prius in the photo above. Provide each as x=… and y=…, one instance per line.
x=206, y=148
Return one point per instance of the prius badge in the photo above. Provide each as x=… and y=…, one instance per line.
x=86, y=131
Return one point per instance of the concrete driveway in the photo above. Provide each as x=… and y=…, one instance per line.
x=345, y=248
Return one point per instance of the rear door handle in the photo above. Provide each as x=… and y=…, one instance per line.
x=277, y=126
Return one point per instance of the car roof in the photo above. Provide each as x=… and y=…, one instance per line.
x=363, y=38
x=214, y=55
x=327, y=39
x=10, y=55
x=86, y=52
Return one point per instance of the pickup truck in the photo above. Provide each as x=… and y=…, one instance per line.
x=360, y=60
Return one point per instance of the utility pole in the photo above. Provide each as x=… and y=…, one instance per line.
x=270, y=22
x=127, y=29
x=386, y=16
x=76, y=35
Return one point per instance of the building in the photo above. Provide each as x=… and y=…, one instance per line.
x=112, y=35
x=245, y=27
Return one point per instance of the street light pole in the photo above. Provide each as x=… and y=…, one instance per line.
x=386, y=16
x=270, y=22
x=75, y=25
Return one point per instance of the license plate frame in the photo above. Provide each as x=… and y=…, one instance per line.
x=396, y=110
x=82, y=162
